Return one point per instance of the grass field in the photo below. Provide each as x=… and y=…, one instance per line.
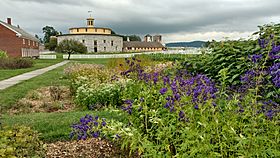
x=11, y=95
x=38, y=64
x=55, y=126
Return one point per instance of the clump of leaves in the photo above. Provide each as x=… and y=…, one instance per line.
x=20, y=141
x=55, y=92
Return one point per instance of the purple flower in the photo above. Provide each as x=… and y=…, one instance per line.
x=167, y=105
x=118, y=136
x=95, y=124
x=163, y=91
x=196, y=107
x=177, y=96
x=96, y=134
x=255, y=58
x=274, y=71
x=128, y=101
x=263, y=43
x=181, y=114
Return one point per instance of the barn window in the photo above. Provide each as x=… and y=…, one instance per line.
x=23, y=41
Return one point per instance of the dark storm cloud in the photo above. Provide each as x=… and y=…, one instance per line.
x=144, y=16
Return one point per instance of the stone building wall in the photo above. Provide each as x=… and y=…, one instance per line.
x=105, y=43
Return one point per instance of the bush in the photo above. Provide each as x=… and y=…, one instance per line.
x=52, y=44
x=15, y=63
x=94, y=85
x=3, y=54
x=20, y=141
x=181, y=114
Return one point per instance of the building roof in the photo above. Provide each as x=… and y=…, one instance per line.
x=138, y=44
x=20, y=32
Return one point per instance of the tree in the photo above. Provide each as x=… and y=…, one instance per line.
x=71, y=47
x=132, y=38
x=40, y=39
x=49, y=31
x=52, y=44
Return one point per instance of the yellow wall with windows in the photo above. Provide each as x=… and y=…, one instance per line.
x=90, y=31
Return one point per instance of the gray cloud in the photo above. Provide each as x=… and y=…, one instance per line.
x=144, y=16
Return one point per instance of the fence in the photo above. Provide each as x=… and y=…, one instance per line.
x=47, y=57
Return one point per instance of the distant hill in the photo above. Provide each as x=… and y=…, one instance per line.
x=196, y=44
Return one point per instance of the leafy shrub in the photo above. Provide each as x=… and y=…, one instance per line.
x=15, y=63
x=94, y=96
x=20, y=141
x=94, y=85
x=184, y=115
x=3, y=54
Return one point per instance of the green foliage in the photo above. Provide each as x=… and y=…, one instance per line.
x=15, y=63
x=52, y=44
x=269, y=30
x=71, y=47
x=232, y=55
x=20, y=141
x=93, y=86
x=3, y=54
x=48, y=32
x=132, y=38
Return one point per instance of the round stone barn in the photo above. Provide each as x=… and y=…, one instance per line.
x=96, y=39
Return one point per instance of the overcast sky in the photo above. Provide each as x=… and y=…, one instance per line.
x=176, y=20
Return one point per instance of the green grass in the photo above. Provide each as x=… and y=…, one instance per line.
x=38, y=64
x=55, y=126
x=92, y=61
x=9, y=96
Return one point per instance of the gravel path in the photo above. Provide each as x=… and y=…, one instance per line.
x=91, y=148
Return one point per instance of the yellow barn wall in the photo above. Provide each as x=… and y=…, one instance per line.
x=90, y=31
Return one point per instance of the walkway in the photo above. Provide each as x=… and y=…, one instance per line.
x=26, y=76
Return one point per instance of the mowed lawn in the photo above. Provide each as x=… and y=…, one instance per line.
x=56, y=126
x=38, y=64
x=52, y=126
x=10, y=96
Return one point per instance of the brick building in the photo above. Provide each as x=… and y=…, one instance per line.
x=16, y=42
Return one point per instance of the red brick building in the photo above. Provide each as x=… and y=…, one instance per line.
x=16, y=42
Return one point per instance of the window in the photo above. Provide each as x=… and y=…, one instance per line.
x=95, y=43
x=78, y=30
x=104, y=41
x=83, y=41
x=33, y=43
x=112, y=43
x=104, y=48
x=29, y=42
x=116, y=47
x=103, y=30
x=86, y=29
x=23, y=41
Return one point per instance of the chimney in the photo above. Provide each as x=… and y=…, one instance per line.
x=128, y=40
x=9, y=21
